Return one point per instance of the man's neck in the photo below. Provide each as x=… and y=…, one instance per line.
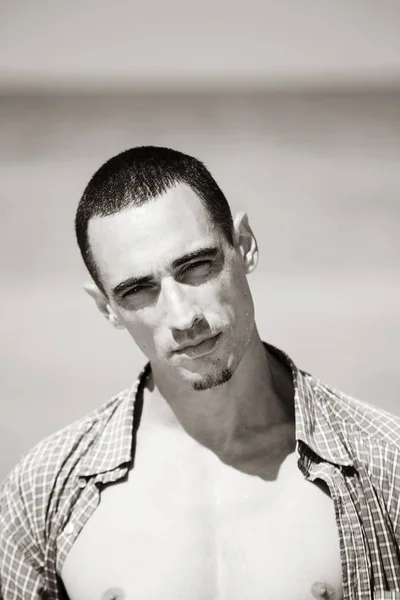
x=251, y=414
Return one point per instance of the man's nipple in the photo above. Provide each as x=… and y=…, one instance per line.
x=113, y=594
x=322, y=591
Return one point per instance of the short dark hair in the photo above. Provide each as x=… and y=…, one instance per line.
x=141, y=174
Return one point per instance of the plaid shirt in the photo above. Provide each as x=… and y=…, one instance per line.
x=355, y=448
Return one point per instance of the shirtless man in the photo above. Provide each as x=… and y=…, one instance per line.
x=225, y=473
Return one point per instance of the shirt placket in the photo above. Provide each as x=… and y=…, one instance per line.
x=356, y=570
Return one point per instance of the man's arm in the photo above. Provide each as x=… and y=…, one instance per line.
x=390, y=481
x=21, y=561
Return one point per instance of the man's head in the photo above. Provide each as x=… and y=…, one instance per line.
x=168, y=262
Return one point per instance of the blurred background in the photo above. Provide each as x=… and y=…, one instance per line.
x=295, y=109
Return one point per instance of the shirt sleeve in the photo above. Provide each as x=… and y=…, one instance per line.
x=394, y=494
x=21, y=561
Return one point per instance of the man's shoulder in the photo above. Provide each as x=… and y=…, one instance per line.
x=62, y=449
x=363, y=418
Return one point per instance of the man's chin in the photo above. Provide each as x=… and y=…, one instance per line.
x=208, y=381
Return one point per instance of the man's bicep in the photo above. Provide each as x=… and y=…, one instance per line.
x=393, y=475
x=21, y=568
x=19, y=578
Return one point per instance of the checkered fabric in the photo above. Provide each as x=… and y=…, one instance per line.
x=52, y=492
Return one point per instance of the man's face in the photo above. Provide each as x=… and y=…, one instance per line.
x=177, y=286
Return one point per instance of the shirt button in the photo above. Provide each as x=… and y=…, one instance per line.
x=69, y=529
x=82, y=483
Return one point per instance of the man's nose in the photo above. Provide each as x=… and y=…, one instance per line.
x=181, y=311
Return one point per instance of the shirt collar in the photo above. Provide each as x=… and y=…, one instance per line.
x=112, y=440
x=114, y=443
x=314, y=426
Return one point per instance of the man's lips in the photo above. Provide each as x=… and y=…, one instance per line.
x=197, y=345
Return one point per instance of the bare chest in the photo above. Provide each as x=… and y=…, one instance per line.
x=186, y=527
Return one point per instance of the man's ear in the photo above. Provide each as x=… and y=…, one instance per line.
x=98, y=296
x=245, y=241
x=102, y=303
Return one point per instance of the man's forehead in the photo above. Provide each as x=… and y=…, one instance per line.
x=140, y=242
x=178, y=209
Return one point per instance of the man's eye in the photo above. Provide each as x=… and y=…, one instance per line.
x=134, y=291
x=201, y=265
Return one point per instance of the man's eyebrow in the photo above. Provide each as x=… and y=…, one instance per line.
x=119, y=289
x=209, y=252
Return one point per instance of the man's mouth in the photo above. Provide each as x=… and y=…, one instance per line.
x=198, y=347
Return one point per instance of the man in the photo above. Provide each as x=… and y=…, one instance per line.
x=225, y=473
